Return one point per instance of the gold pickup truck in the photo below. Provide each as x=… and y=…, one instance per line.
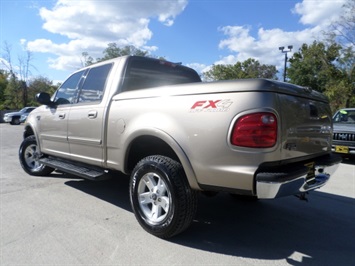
x=176, y=136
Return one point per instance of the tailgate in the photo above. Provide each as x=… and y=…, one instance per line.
x=306, y=124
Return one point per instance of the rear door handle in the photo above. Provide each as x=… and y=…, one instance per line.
x=92, y=114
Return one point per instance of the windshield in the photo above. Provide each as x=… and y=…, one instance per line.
x=345, y=116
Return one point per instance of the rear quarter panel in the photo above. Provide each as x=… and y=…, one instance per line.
x=198, y=120
x=201, y=126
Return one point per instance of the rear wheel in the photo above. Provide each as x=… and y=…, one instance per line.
x=15, y=121
x=29, y=156
x=161, y=198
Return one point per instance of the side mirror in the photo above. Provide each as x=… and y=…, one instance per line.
x=44, y=98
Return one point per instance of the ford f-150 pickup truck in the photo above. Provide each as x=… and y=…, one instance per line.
x=175, y=136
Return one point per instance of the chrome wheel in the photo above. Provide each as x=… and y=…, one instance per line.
x=154, y=197
x=31, y=156
x=161, y=198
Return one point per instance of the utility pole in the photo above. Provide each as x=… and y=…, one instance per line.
x=282, y=49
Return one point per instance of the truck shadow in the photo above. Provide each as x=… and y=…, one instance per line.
x=317, y=232
x=349, y=160
x=114, y=190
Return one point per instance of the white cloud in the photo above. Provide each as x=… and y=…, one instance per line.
x=23, y=41
x=236, y=34
x=4, y=64
x=263, y=47
x=198, y=67
x=317, y=14
x=89, y=25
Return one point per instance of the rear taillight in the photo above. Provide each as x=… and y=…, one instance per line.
x=258, y=130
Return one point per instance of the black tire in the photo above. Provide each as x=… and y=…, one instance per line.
x=161, y=197
x=29, y=156
x=15, y=121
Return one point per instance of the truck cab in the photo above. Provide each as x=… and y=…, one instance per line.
x=72, y=124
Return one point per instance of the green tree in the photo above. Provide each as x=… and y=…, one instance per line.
x=39, y=84
x=86, y=60
x=313, y=65
x=327, y=69
x=342, y=30
x=250, y=68
x=3, y=84
x=341, y=88
x=113, y=51
x=13, y=94
x=19, y=74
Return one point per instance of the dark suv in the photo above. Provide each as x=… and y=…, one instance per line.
x=344, y=131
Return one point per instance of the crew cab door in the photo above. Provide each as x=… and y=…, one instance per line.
x=53, y=120
x=86, y=118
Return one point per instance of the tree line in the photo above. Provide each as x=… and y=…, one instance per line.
x=17, y=89
x=327, y=67
x=16, y=94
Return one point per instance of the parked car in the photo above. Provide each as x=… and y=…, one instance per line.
x=23, y=117
x=344, y=131
x=14, y=118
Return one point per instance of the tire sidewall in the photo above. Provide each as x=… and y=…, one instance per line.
x=159, y=228
x=42, y=170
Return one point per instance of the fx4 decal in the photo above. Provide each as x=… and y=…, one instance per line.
x=211, y=106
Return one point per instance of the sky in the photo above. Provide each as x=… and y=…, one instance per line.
x=197, y=33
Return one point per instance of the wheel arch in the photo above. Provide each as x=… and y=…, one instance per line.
x=29, y=131
x=155, y=142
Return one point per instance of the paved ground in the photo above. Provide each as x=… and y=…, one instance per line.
x=63, y=220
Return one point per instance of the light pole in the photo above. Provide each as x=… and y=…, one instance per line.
x=282, y=49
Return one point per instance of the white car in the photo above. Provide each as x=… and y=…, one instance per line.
x=14, y=118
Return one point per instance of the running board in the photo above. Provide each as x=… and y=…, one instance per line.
x=85, y=171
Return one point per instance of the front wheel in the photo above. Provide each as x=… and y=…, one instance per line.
x=161, y=198
x=29, y=156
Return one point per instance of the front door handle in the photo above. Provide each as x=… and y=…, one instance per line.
x=62, y=116
x=92, y=114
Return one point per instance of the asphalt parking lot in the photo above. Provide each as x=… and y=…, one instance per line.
x=65, y=220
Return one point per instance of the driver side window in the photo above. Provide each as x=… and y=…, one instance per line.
x=67, y=92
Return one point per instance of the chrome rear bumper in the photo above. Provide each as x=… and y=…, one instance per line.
x=296, y=179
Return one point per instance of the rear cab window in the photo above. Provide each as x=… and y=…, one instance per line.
x=144, y=73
